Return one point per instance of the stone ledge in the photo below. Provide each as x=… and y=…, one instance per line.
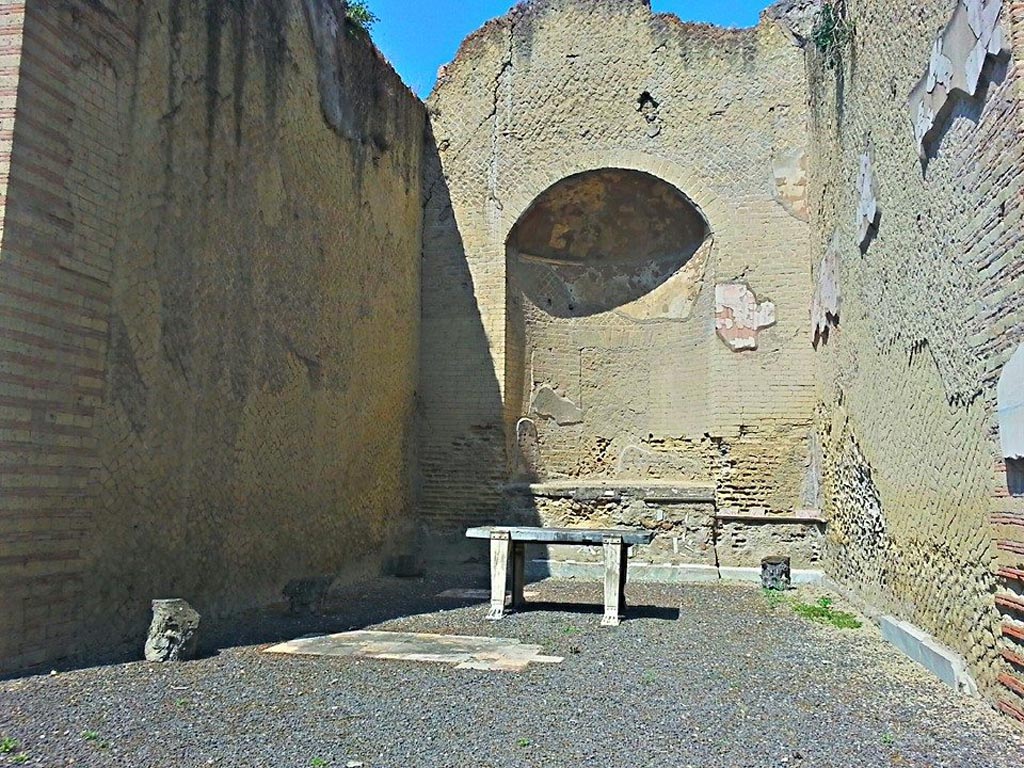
x=665, y=491
x=659, y=574
x=944, y=663
x=799, y=576
x=796, y=519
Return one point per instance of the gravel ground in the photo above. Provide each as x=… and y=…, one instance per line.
x=710, y=676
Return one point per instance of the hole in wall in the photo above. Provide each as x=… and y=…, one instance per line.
x=646, y=101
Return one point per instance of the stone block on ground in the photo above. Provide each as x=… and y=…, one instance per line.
x=406, y=566
x=174, y=632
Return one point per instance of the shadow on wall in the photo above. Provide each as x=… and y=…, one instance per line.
x=607, y=251
x=464, y=435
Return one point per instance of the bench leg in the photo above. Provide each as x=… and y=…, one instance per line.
x=500, y=541
x=518, y=574
x=613, y=586
x=623, y=570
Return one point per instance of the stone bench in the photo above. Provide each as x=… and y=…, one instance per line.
x=509, y=542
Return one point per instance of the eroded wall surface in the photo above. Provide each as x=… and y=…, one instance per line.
x=930, y=311
x=208, y=330
x=617, y=362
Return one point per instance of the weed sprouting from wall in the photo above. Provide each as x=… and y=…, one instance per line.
x=832, y=32
x=358, y=13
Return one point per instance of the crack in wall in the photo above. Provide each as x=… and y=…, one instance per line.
x=504, y=74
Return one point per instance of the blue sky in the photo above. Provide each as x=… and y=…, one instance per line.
x=418, y=36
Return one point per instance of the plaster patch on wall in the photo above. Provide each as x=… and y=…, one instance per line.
x=957, y=60
x=739, y=318
x=827, y=296
x=790, y=170
x=549, y=404
x=812, y=495
x=668, y=458
x=1010, y=406
x=867, y=206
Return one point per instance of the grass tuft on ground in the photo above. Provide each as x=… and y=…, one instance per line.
x=820, y=611
x=823, y=612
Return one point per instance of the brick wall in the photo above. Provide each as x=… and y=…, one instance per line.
x=1004, y=334
x=12, y=22
x=53, y=342
x=929, y=315
x=209, y=312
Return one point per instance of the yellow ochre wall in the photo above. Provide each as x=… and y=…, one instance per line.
x=209, y=312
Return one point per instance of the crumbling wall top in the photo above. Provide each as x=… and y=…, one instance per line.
x=797, y=16
x=529, y=10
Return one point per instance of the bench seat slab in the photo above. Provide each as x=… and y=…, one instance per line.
x=581, y=536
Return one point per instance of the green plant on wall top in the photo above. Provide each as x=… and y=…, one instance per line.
x=832, y=32
x=358, y=12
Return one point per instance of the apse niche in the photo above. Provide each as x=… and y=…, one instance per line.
x=604, y=271
x=601, y=240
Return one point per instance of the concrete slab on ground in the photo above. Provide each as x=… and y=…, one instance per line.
x=465, y=652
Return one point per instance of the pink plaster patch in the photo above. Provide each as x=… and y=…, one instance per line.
x=739, y=318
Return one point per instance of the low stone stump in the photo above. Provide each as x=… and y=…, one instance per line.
x=174, y=632
x=405, y=566
x=306, y=597
x=776, y=573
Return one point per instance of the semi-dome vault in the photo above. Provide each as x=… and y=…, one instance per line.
x=602, y=239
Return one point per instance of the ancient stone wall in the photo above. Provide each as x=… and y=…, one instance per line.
x=209, y=314
x=572, y=335
x=917, y=208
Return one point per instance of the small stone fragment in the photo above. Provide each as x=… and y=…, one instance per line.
x=174, y=633
x=405, y=566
